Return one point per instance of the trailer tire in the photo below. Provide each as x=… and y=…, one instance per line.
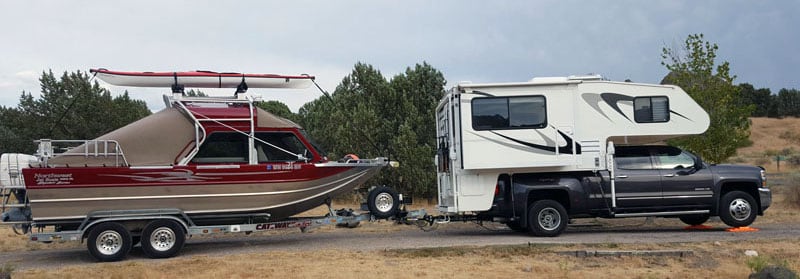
x=109, y=242
x=737, y=209
x=162, y=239
x=547, y=218
x=383, y=202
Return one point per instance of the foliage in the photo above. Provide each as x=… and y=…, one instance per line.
x=195, y=93
x=694, y=69
x=69, y=107
x=370, y=116
x=758, y=263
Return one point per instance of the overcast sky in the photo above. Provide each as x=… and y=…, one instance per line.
x=479, y=41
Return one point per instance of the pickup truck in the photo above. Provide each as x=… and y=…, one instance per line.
x=649, y=180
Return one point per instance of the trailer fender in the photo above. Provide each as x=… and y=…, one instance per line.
x=89, y=226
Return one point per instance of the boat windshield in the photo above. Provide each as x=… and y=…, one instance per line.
x=316, y=146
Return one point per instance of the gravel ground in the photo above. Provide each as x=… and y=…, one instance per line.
x=389, y=236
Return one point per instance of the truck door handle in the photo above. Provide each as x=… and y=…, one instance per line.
x=622, y=176
x=669, y=175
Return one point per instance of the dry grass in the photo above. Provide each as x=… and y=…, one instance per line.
x=769, y=136
x=710, y=260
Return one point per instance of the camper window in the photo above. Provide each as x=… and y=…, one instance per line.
x=651, y=109
x=226, y=147
x=509, y=113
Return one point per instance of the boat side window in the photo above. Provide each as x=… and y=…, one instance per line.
x=223, y=147
x=283, y=140
x=651, y=109
x=499, y=113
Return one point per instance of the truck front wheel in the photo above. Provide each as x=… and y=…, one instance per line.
x=737, y=209
x=547, y=218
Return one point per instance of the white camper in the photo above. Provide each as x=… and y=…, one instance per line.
x=547, y=125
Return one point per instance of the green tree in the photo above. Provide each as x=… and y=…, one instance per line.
x=788, y=103
x=761, y=98
x=694, y=69
x=69, y=107
x=371, y=116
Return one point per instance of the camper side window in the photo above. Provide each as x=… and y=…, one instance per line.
x=523, y=112
x=651, y=109
x=223, y=148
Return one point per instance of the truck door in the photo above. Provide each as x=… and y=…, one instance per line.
x=638, y=183
x=682, y=182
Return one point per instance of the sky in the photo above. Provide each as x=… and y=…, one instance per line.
x=477, y=41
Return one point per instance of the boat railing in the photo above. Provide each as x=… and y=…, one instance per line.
x=101, y=149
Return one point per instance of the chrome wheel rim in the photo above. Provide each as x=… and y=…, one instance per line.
x=740, y=209
x=162, y=239
x=549, y=219
x=384, y=202
x=109, y=242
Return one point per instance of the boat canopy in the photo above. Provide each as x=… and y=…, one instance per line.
x=160, y=139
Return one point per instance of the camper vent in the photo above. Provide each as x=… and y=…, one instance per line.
x=586, y=77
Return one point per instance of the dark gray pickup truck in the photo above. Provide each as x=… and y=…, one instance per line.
x=649, y=181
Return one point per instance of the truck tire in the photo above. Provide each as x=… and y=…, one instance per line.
x=694, y=220
x=162, y=238
x=737, y=209
x=547, y=218
x=109, y=242
x=383, y=202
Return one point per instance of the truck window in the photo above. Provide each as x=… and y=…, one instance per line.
x=674, y=161
x=223, y=147
x=524, y=112
x=651, y=109
x=633, y=162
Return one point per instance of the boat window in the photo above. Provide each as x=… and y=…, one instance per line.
x=524, y=112
x=651, y=109
x=225, y=147
x=284, y=140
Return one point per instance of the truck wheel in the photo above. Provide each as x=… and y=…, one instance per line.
x=109, y=241
x=694, y=220
x=547, y=218
x=383, y=202
x=162, y=239
x=737, y=209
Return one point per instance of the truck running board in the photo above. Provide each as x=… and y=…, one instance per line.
x=667, y=213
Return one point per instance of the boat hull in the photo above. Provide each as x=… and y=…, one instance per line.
x=195, y=192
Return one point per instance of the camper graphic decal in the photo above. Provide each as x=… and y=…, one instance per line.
x=542, y=149
x=613, y=100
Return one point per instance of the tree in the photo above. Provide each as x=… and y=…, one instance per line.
x=694, y=69
x=761, y=98
x=370, y=116
x=788, y=102
x=69, y=107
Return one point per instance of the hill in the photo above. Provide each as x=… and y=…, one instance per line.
x=771, y=137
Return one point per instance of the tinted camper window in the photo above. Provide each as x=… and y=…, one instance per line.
x=509, y=113
x=651, y=109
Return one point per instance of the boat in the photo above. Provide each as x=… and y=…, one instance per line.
x=215, y=157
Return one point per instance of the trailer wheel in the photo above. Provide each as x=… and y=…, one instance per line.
x=109, y=241
x=547, y=218
x=694, y=220
x=383, y=202
x=737, y=209
x=162, y=239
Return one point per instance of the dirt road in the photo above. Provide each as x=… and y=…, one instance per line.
x=382, y=236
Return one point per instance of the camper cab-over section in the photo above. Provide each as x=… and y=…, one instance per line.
x=547, y=125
